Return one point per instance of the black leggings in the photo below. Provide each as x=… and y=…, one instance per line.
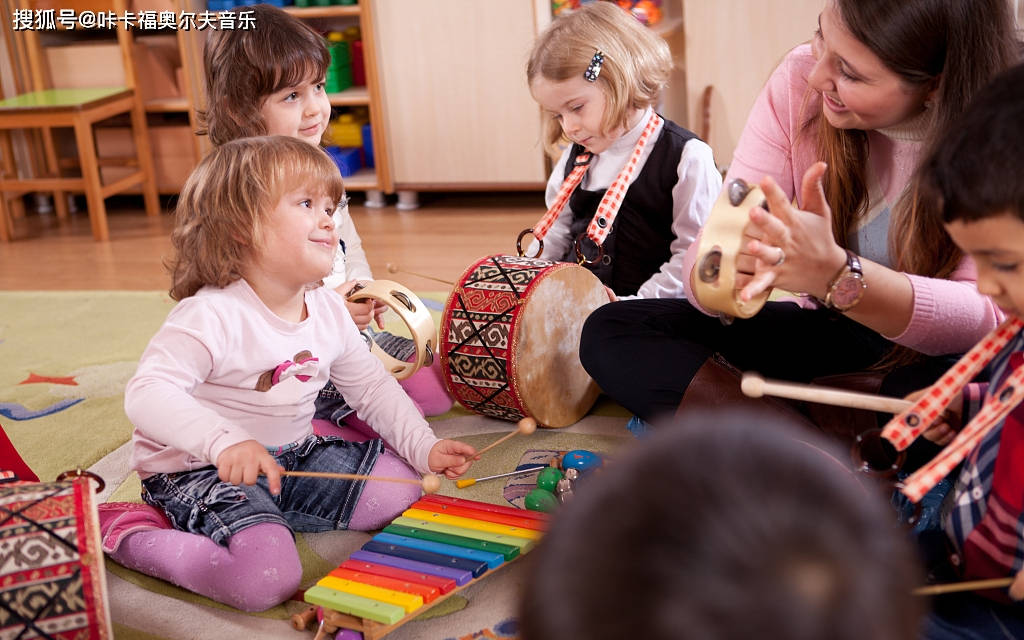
x=643, y=353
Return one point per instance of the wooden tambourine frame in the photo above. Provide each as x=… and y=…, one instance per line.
x=413, y=313
x=714, y=272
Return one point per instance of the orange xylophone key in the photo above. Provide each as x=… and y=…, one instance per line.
x=488, y=507
x=476, y=514
x=426, y=592
x=444, y=585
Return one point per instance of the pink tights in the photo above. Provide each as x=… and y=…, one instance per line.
x=257, y=570
x=260, y=567
x=426, y=388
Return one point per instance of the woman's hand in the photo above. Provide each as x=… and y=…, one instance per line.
x=242, y=463
x=792, y=248
x=450, y=456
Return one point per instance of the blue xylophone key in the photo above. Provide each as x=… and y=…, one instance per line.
x=493, y=560
x=460, y=576
x=475, y=567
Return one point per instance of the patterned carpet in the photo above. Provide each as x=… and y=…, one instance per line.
x=66, y=358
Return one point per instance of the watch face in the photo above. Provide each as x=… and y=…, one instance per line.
x=848, y=291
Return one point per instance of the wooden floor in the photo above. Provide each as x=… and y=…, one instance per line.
x=441, y=238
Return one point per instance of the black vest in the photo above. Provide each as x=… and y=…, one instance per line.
x=639, y=241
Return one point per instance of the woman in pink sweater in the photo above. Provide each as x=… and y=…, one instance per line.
x=882, y=287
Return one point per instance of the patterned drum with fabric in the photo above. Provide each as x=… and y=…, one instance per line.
x=510, y=338
x=52, y=580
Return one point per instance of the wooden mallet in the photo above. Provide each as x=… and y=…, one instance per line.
x=755, y=386
x=430, y=482
x=968, y=585
x=526, y=426
x=393, y=268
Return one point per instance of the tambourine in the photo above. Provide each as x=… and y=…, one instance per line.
x=721, y=241
x=413, y=313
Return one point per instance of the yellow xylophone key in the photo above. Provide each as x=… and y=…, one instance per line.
x=523, y=544
x=408, y=601
x=354, y=605
x=470, y=523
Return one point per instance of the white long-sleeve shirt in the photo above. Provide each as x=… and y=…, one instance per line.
x=195, y=391
x=350, y=264
x=693, y=196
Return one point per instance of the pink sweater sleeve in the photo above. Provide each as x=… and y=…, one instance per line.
x=950, y=316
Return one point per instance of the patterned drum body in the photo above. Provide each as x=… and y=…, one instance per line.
x=510, y=338
x=53, y=584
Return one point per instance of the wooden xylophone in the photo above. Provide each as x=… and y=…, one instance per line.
x=436, y=548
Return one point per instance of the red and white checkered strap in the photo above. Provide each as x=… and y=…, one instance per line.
x=601, y=224
x=905, y=427
x=580, y=166
x=1009, y=395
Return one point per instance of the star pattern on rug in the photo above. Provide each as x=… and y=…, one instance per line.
x=34, y=378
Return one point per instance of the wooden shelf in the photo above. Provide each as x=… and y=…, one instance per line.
x=337, y=17
x=333, y=11
x=353, y=96
x=362, y=180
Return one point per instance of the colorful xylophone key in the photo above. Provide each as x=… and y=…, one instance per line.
x=444, y=585
x=493, y=560
x=422, y=557
x=428, y=593
x=475, y=567
x=507, y=551
x=540, y=518
x=522, y=544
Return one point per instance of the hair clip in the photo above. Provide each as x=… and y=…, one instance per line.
x=594, y=69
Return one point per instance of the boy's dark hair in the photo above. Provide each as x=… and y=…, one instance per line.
x=244, y=66
x=977, y=170
x=728, y=527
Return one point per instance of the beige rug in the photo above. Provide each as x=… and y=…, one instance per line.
x=66, y=357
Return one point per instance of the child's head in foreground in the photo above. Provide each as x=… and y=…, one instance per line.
x=267, y=80
x=634, y=69
x=250, y=202
x=726, y=527
x=976, y=174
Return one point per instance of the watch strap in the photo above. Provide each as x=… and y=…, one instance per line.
x=852, y=266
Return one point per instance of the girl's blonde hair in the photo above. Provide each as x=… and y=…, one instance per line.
x=227, y=199
x=636, y=64
x=244, y=66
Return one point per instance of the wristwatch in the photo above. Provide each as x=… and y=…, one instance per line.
x=847, y=288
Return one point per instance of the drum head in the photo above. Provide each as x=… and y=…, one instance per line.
x=546, y=368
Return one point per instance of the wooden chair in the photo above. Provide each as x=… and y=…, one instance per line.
x=47, y=107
